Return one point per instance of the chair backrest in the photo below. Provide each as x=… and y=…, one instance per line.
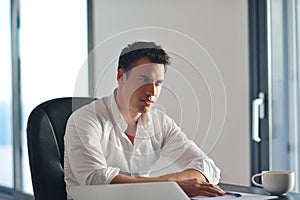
x=45, y=137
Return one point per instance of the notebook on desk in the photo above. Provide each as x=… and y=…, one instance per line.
x=138, y=191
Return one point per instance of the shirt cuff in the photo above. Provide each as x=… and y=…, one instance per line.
x=209, y=171
x=111, y=173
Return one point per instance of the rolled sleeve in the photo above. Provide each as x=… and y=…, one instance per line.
x=207, y=168
x=85, y=163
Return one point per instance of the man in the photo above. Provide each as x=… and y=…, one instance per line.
x=118, y=139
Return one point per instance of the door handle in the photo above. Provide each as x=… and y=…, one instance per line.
x=258, y=112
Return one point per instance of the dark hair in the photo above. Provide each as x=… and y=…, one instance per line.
x=137, y=50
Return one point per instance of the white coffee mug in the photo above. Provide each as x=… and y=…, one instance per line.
x=276, y=182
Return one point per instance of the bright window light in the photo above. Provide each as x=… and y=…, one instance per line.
x=53, y=48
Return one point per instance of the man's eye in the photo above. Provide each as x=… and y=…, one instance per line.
x=158, y=83
x=144, y=80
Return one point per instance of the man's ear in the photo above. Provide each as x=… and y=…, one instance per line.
x=121, y=75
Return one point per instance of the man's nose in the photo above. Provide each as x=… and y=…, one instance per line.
x=151, y=89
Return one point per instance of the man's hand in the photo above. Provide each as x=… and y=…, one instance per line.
x=192, y=182
x=194, y=187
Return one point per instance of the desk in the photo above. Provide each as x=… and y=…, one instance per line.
x=256, y=190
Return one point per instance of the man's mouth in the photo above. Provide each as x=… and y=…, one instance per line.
x=147, y=101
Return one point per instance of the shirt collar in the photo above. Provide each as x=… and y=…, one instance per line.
x=118, y=118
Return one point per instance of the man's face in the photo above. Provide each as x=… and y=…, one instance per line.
x=143, y=84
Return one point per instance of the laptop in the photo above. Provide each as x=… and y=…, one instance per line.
x=132, y=191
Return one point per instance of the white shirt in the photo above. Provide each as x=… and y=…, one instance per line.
x=97, y=149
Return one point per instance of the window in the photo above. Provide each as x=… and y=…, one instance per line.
x=51, y=44
x=6, y=139
x=284, y=51
x=275, y=72
x=53, y=48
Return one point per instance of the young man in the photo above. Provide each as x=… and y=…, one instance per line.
x=118, y=139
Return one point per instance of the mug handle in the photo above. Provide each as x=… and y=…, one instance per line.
x=253, y=181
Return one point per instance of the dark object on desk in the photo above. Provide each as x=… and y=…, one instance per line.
x=45, y=133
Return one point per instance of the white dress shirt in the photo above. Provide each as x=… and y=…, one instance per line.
x=97, y=149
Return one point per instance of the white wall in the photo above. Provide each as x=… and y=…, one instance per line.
x=206, y=88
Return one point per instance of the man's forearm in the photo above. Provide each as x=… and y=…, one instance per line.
x=184, y=175
x=120, y=178
x=191, y=181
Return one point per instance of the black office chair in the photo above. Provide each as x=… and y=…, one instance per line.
x=45, y=133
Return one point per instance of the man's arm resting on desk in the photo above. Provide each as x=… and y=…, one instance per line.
x=191, y=181
x=184, y=175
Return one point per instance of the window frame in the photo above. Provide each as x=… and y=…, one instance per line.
x=15, y=24
x=259, y=81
